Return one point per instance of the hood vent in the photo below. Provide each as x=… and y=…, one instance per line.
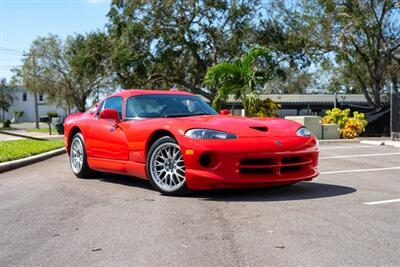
x=259, y=128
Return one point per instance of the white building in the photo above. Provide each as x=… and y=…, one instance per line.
x=25, y=101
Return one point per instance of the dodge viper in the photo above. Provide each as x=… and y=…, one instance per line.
x=179, y=143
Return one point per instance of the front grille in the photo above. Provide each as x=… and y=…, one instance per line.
x=290, y=169
x=274, y=165
x=290, y=160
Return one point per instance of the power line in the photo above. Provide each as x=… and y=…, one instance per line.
x=7, y=53
x=5, y=49
x=9, y=58
x=9, y=67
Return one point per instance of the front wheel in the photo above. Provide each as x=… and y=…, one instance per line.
x=78, y=158
x=166, y=168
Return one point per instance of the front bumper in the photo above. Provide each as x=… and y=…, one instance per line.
x=249, y=162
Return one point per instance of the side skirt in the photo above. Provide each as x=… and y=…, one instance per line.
x=118, y=166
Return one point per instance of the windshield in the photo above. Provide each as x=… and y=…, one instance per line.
x=162, y=106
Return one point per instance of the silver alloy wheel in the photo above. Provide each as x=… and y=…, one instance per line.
x=76, y=155
x=167, y=167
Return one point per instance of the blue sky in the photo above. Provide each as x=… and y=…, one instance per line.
x=21, y=21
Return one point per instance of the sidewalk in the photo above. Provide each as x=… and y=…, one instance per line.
x=19, y=131
x=22, y=134
x=6, y=137
x=28, y=125
x=377, y=141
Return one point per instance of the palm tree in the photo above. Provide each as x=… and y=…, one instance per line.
x=243, y=78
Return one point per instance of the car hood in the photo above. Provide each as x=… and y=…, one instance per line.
x=242, y=127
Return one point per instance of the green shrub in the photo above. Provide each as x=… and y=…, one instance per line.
x=51, y=114
x=261, y=108
x=350, y=127
x=7, y=124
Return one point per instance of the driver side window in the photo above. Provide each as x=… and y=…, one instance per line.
x=114, y=103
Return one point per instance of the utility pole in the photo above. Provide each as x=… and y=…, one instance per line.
x=334, y=100
x=2, y=108
x=35, y=95
x=394, y=114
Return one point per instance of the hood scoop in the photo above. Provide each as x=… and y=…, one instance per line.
x=260, y=128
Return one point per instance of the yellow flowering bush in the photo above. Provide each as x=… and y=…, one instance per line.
x=350, y=127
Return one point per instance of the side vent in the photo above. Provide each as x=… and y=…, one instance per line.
x=259, y=128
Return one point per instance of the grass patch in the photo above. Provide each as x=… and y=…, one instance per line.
x=40, y=130
x=6, y=128
x=18, y=149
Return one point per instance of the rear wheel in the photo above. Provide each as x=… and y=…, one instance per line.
x=166, y=168
x=78, y=158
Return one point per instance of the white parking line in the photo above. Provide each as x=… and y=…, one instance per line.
x=342, y=147
x=382, y=202
x=361, y=155
x=362, y=170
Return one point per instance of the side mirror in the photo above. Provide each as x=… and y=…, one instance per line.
x=225, y=112
x=109, y=114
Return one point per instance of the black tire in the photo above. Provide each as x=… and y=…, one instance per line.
x=183, y=189
x=84, y=171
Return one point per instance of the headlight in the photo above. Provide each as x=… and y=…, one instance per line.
x=303, y=131
x=208, y=134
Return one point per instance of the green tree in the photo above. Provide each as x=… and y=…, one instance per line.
x=295, y=82
x=161, y=44
x=69, y=72
x=341, y=81
x=6, y=97
x=362, y=37
x=243, y=78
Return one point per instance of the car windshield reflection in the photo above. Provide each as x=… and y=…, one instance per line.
x=166, y=106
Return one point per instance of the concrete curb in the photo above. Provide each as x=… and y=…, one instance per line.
x=23, y=136
x=381, y=143
x=339, y=141
x=31, y=137
x=14, y=164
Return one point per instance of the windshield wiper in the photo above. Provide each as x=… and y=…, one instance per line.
x=200, y=114
x=184, y=115
x=175, y=115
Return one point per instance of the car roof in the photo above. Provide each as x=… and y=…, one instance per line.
x=135, y=92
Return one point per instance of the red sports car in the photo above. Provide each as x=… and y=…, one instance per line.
x=179, y=142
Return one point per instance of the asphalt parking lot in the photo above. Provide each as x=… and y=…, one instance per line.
x=348, y=216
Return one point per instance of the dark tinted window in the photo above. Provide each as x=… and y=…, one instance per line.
x=158, y=106
x=114, y=103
